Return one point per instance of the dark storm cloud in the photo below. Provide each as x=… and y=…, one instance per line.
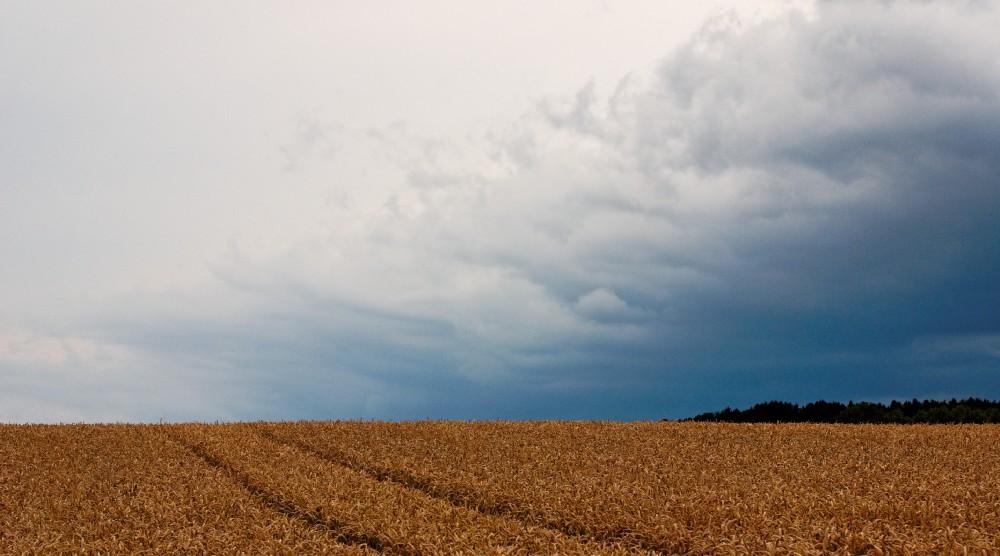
x=796, y=200
x=865, y=188
x=787, y=210
x=799, y=205
x=793, y=207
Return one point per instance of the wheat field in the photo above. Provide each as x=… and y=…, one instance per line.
x=444, y=487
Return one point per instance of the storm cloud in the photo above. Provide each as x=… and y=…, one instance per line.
x=794, y=203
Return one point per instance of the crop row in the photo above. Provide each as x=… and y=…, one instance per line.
x=360, y=509
x=694, y=488
x=128, y=489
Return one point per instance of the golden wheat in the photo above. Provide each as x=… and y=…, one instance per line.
x=700, y=488
x=364, y=510
x=127, y=489
x=500, y=488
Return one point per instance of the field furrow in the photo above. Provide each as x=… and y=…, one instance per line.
x=423, y=481
x=361, y=509
x=698, y=488
x=128, y=489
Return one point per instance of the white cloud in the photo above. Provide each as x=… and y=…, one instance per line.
x=26, y=347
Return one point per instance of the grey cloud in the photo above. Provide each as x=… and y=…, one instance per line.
x=797, y=207
x=856, y=70
x=308, y=137
x=809, y=180
x=785, y=195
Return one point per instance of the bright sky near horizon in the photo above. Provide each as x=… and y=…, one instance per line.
x=477, y=210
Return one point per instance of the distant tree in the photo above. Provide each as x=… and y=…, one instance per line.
x=970, y=410
x=863, y=412
x=821, y=411
x=896, y=416
x=772, y=412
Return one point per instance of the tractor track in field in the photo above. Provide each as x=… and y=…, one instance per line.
x=457, y=498
x=280, y=504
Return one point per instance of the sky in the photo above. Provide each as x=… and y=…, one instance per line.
x=391, y=210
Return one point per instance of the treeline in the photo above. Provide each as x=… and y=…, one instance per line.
x=971, y=410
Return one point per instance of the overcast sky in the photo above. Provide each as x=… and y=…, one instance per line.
x=481, y=210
